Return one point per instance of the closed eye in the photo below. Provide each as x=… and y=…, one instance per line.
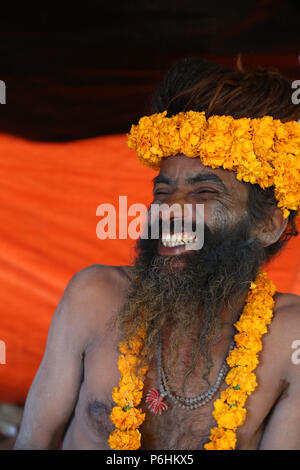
x=156, y=193
x=206, y=191
x=202, y=191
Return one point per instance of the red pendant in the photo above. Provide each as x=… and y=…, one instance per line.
x=155, y=402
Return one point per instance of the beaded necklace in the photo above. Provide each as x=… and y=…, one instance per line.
x=154, y=398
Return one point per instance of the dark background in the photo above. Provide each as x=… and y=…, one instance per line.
x=84, y=69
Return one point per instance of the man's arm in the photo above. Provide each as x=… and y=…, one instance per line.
x=54, y=391
x=283, y=428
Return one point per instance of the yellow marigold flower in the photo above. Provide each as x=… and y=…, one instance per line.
x=249, y=341
x=127, y=396
x=250, y=323
x=228, y=417
x=190, y=132
x=131, y=382
x=133, y=346
x=128, y=363
x=263, y=312
x=221, y=439
x=259, y=297
x=210, y=446
x=233, y=396
x=238, y=357
x=263, y=134
x=215, y=147
x=243, y=378
x=125, y=440
x=130, y=419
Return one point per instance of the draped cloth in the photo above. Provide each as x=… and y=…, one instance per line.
x=49, y=193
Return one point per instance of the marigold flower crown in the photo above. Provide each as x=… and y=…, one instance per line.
x=263, y=151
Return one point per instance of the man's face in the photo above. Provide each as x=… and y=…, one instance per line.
x=184, y=180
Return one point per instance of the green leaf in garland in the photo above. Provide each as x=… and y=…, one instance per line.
x=127, y=408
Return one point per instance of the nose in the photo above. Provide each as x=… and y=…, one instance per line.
x=176, y=212
x=172, y=208
x=175, y=202
x=177, y=196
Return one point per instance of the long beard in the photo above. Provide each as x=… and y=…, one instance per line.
x=164, y=292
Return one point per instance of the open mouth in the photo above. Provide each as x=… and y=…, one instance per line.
x=177, y=239
x=176, y=243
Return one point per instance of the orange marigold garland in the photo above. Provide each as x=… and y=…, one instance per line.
x=229, y=410
x=263, y=151
x=126, y=417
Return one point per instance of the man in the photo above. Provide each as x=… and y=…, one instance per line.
x=187, y=302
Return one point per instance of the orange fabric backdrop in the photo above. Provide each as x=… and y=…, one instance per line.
x=49, y=193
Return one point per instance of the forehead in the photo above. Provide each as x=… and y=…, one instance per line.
x=179, y=168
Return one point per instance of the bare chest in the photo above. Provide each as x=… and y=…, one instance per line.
x=175, y=428
x=182, y=428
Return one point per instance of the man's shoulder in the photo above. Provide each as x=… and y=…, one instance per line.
x=287, y=306
x=285, y=328
x=287, y=314
x=94, y=275
x=100, y=277
x=98, y=284
x=94, y=292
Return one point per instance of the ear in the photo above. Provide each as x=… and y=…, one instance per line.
x=270, y=230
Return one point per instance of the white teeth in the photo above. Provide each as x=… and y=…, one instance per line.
x=177, y=239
